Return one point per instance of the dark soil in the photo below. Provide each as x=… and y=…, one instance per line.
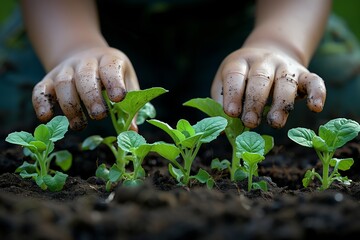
x=162, y=210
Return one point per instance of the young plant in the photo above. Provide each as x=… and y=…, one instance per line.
x=135, y=149
x=251, y=148
x=188, y=139
x=234, y=128
x=40, y=147
x=331, y=136
x=136, y=103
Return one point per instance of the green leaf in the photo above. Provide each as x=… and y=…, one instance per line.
x=146, y=112
x=25, y=174
x=269, y=143
x=302, y=136
x=29, y=168
x=343, y=164
x=166, y=150
x=320, y=145
x=55, y=183
x=345, y=130
x=252, y=158
x=42, y=133
x=251, y=142
x=207, y=105
x=92, y=142
x=102, y=172
x=58, y=126
x=204, y=177
x=20, y=138
x=175, y=135
x=216, y=164
x=211, y=127
x=176, y=173
x=213, y=109
x=63, y=159
x=135, y=100
x=130, y=140
x=185, y=128
x=143, y=150
x=309, y=176
x=191, y=142
x=115, y=173
x=133, y=182
x=260, y=185
x=37, y=146
x=240, y=174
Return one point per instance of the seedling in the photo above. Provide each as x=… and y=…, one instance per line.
x=250, y=147
x=136, y=103
x=331, y=136
x=135, y=149
x=40, y=147
x=234, y=128
x=188, y=139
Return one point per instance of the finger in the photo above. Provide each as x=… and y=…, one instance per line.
x=43, y=99
x=313, y=87
x=217, y=88
x=260, y=80
x=285, y=89
x=68, y=99
x=111, y=72
x=233, y=76
x=88, y=86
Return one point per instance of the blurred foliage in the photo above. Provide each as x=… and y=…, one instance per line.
x=6, y=8
x=349, y=11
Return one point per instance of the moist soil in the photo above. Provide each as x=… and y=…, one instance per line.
x=160, y=209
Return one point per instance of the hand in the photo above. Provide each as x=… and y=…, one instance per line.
x=80, y=78
x=261, y=74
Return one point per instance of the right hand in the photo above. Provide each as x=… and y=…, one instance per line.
x=80, y=78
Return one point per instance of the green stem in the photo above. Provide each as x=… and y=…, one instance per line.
x=235, y=164
x=251, y=173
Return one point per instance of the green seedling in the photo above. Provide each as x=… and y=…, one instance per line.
x=135, y=104
x=135, y=149
x=40, y=147
x=331, y=136
x=251, y=148
x=234, y=128
x=188, y=139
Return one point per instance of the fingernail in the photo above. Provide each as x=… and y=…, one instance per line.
x=276, y=119
x=98, y=111
x=233, y=109
x=250, y=119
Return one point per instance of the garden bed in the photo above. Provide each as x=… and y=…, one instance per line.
x=160, y=209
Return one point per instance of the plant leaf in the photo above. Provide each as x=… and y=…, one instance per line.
x=220, y=165
x=92, y=142
x=251, y=142
x=166, y=150
x=130, y=140
x=55, y=183
x=102, y=172
x=20, y=138
x=115, y=174
x=343, y=164
x=345, y=130
x=211, y=127
x=63, y=159
x=252, y=158
x=302, y=136
x=269, y=143
x=135, y=100
x=42, y=133
x=185, y=128
x=176, y=173
x=146, y=112
x=58, y=126
x=175, y=135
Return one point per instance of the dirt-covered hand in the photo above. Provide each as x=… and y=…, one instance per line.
x=249, y=77
x=79, y=79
